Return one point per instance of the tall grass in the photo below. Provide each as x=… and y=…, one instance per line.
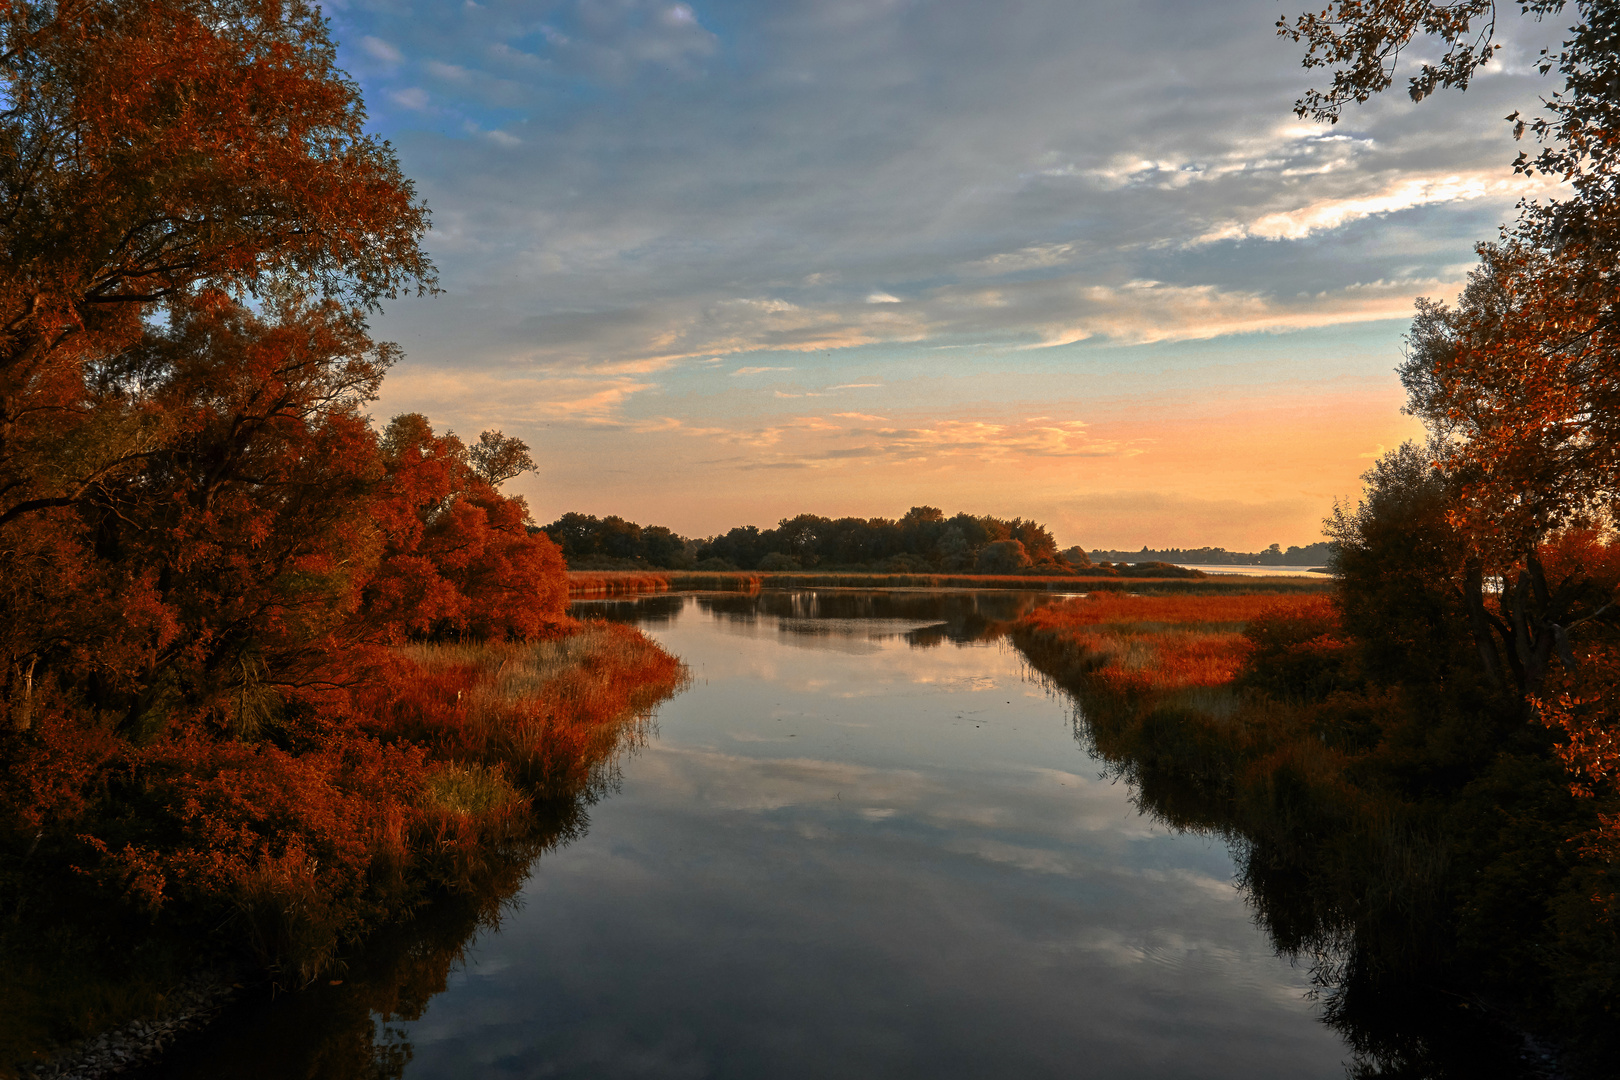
x=602, y=584
x=1164, y=695
x=1151, y=643
x=550, y=715
x=594, y=584
x=444, y=775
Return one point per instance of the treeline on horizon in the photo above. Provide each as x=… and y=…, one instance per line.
x=1317, y=554
x=923, y=540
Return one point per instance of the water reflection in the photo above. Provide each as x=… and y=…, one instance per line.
x=356, y=1027
x=835, y=618
x=1355, y=891
x=863, y=843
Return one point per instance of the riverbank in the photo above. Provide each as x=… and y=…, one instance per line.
x=607, y=584
x=1424, y=862
x=464, y=763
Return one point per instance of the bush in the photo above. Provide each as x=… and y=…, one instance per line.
x=1002, y=557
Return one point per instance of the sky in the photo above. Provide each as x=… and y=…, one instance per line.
x=1072, y=260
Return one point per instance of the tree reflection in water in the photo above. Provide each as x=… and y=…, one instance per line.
x=924, y=618
x=1358, y=889
x=353, y=1029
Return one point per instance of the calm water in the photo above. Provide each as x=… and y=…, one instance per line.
x=857, y=847
x=1257, y=571
x=863, y=843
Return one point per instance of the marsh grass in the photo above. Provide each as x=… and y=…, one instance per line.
x=550, y=715
x=469, y=790
x=1337, y=866
x=597, y=584
x=467, y=761
x=1157, y=643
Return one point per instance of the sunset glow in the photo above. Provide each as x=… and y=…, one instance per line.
x=724, y=263
x=1082, y=261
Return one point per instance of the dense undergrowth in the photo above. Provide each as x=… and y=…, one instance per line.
x=1418, y=844
x=281, y=855
x=273, y=675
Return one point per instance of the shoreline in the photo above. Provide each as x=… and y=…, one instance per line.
x=614, y=584
x=556, y=722
x=139, y=1044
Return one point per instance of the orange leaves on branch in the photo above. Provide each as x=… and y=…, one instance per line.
x=155, y=144
x=459, y=559
x=1521, y=378
x=1361, y=42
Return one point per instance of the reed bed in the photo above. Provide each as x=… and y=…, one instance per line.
x=602, y=584
x=1154, y=643
x=547, y=716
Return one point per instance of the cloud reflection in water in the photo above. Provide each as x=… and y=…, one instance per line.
x=848, y=855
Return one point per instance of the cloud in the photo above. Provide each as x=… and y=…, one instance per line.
x=448, y=72
x=758, y=370
x=379, y=49
x=1033, y=257
x=1287, y=150
x=657, y=336
x=675, y=425
x=412, y=97
x=1150, y=311
x=511, y=398
x=1402, y=193
x=625, y=190
x=815, y=442
x=616, y=43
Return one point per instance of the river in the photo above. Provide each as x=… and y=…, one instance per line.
x=864, y=842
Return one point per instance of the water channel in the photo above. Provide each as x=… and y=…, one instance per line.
x=865, y=842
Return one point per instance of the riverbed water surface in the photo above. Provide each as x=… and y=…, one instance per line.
x=865, y=842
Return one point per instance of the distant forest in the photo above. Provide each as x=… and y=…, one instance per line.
x=1310, y=555
x=924, y=540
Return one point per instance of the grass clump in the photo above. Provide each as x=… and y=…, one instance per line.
x=1413, y=847
x=278, y=855
x=470, y=791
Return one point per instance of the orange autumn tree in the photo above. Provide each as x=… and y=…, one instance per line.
x=151, y=148
x=200, y=527
x=1520, y=383
x=247, y=524
x=151, y=152
x=1519, y=380
x=459, y=559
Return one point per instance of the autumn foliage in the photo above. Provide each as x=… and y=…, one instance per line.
x=1397, y=817
x=1139, y=643
x=257, y=656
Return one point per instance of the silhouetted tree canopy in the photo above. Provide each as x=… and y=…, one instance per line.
x=923, y=540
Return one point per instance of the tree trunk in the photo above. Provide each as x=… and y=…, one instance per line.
x=22, y=709
x=1479, y=622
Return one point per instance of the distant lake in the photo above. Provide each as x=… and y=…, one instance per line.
x=865, y=843
x=1257, y=571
